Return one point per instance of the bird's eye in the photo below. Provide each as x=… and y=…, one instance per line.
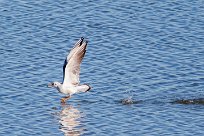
x=53, y=84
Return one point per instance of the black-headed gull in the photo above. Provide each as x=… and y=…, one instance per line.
x=71, y=71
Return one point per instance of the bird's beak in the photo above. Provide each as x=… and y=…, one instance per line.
x=49, y=85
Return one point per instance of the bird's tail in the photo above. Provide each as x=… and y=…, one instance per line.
x=83, y=88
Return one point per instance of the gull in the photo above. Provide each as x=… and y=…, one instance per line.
x=71, y=71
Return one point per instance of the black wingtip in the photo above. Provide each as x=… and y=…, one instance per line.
x=82, y=39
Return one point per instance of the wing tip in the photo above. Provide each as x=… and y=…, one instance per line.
x=81, y=42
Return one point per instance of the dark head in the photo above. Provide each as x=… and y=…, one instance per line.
x=54, y=84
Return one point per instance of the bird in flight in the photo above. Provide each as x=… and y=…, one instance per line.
x=71, y=71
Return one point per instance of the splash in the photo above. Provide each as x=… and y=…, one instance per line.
x=128, y=100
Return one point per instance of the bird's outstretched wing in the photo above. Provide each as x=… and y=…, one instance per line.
x=71, y=68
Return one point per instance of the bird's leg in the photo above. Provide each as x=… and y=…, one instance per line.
x=64, y=99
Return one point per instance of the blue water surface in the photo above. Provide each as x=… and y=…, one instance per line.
x=151, y=52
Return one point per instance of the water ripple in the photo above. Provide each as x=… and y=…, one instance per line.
x=149, y=51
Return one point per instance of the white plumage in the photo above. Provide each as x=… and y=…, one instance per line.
x=71, y=71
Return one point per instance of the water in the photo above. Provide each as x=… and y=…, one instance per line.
x=147, y=52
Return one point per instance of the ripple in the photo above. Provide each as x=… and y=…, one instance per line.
x=189, y=101
x=152, y=49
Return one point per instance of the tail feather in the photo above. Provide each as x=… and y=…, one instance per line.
x=83, y=88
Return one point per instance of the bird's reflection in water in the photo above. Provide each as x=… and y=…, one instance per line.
x=70, y=118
